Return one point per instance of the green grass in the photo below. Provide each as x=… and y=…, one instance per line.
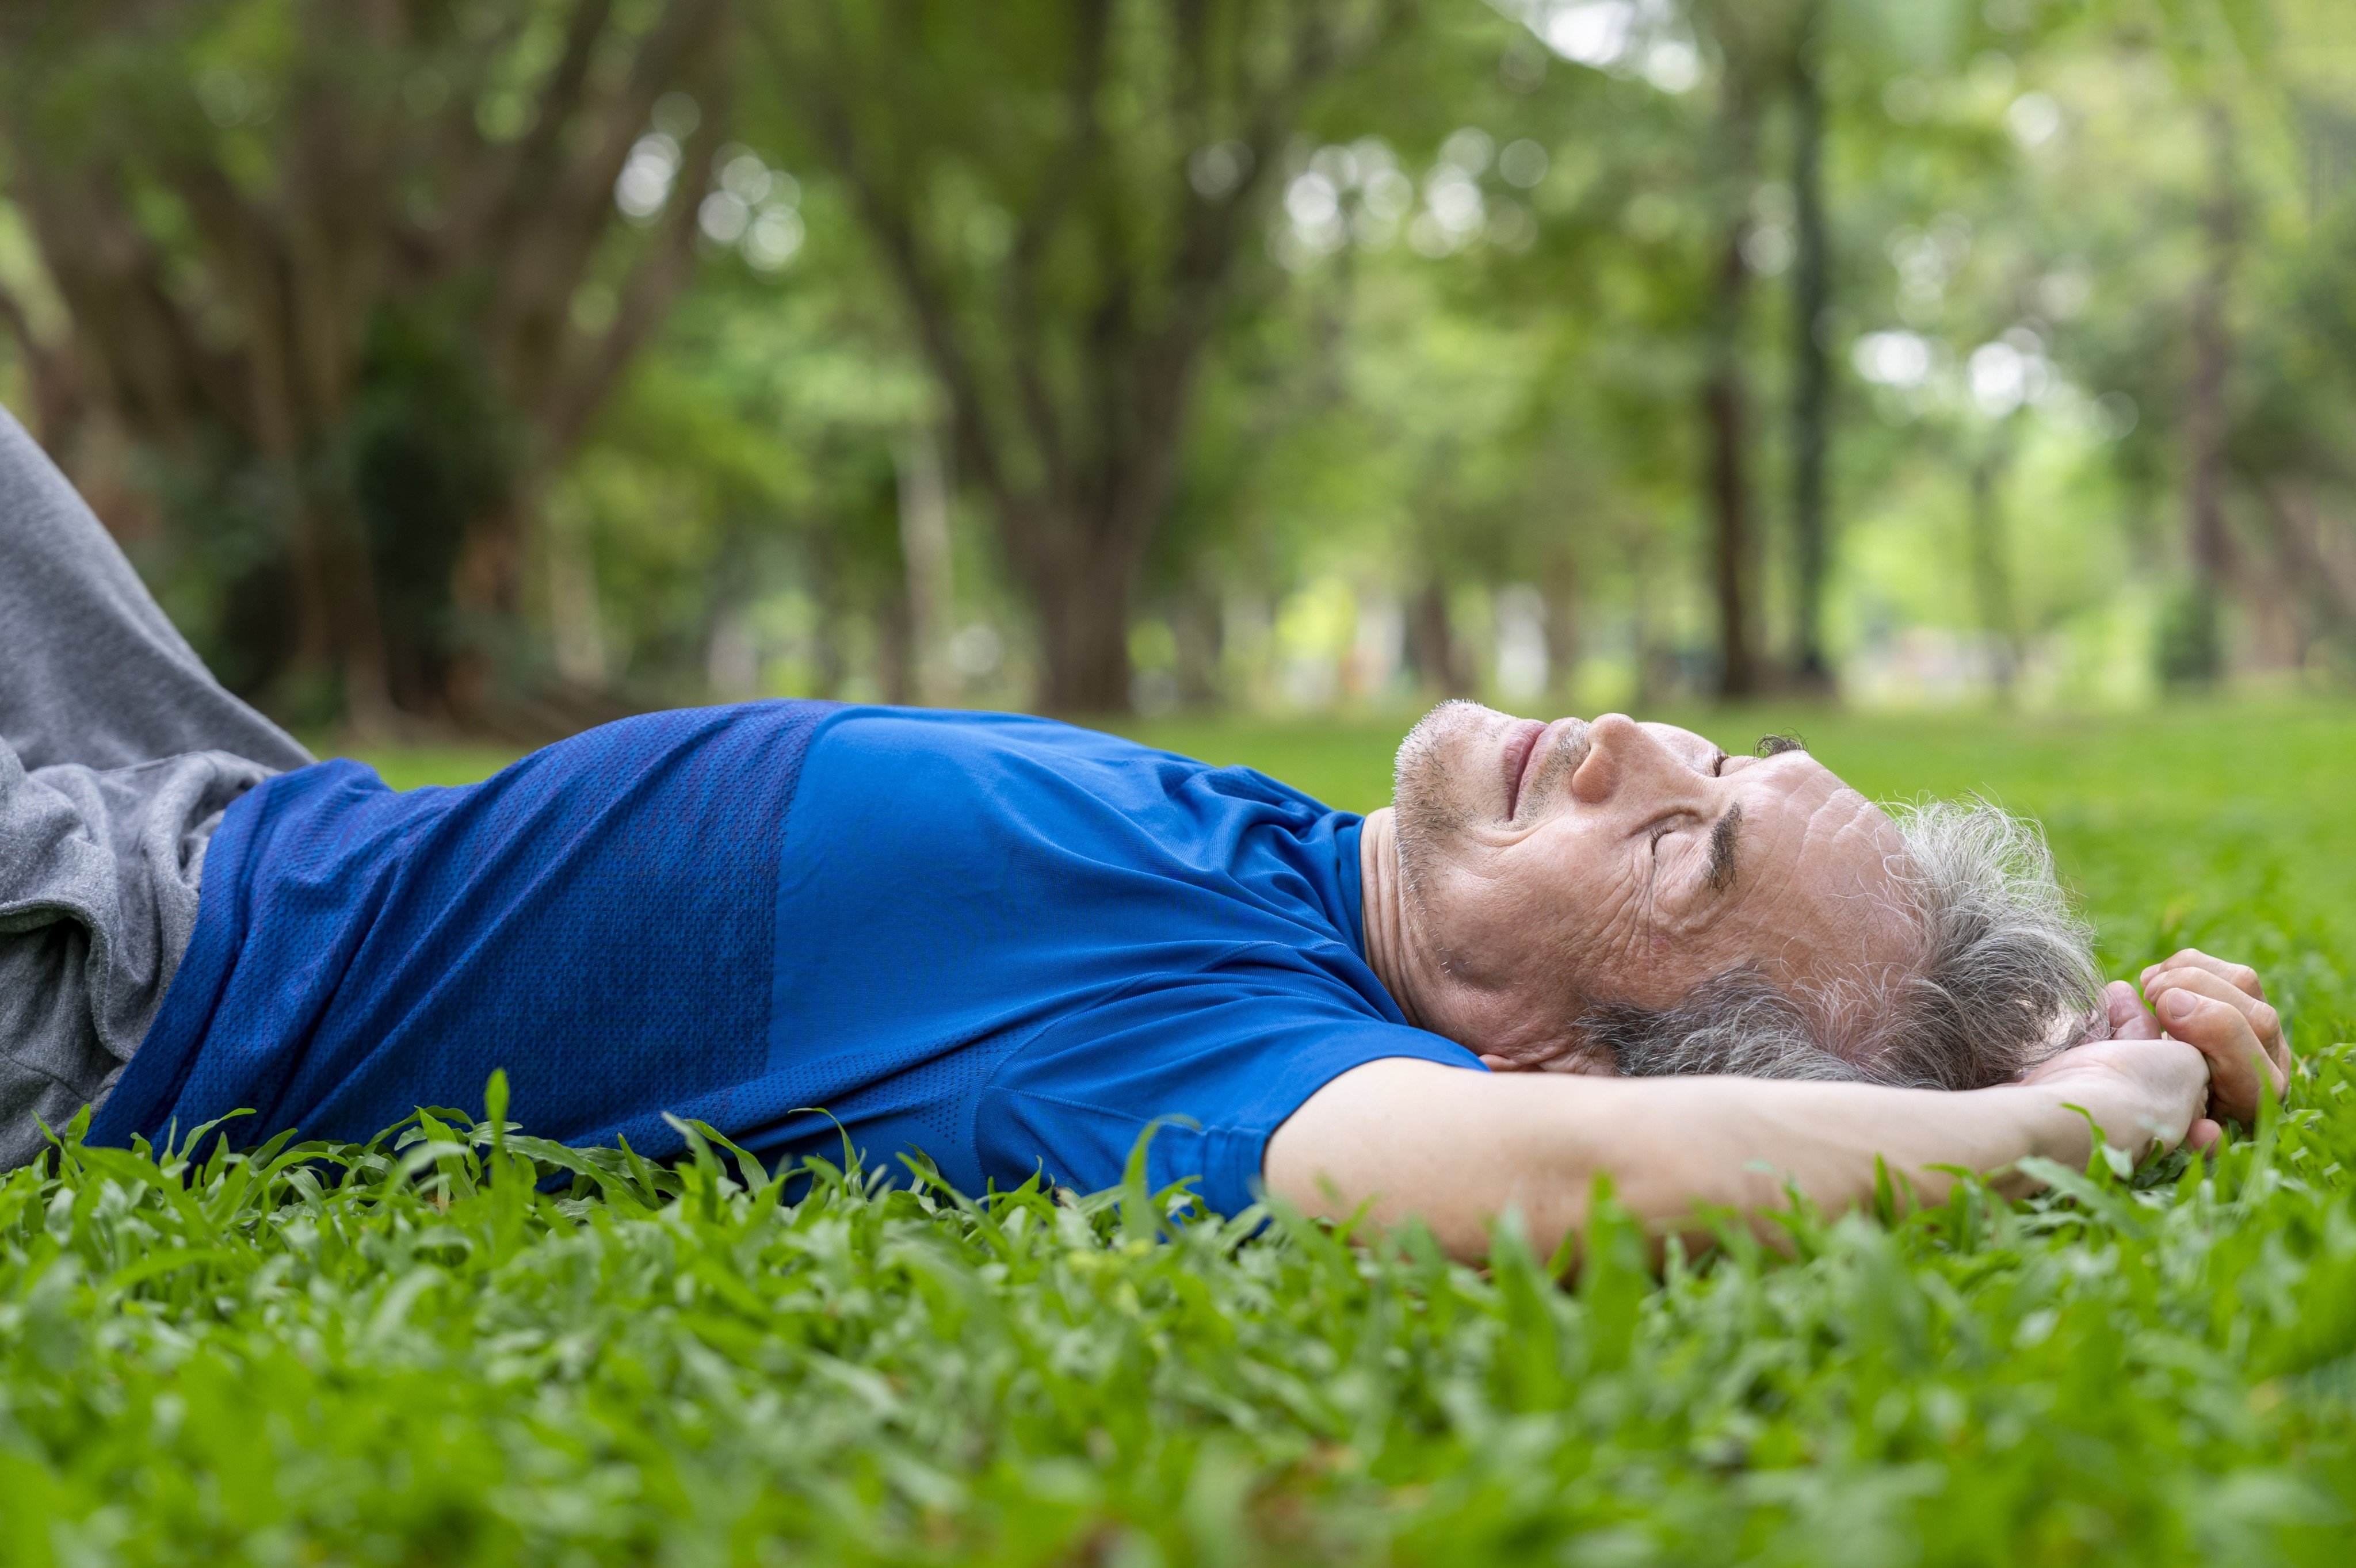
x=412, y=1355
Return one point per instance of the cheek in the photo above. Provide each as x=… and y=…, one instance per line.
x=1618, y=946
x=1480, y=925
x=1555, y=909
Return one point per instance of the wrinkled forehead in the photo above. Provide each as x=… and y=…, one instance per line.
x=1835, y=872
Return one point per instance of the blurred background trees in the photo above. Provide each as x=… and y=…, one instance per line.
x=501, y=364
x=322, y=269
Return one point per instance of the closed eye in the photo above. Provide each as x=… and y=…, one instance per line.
x=1667, y=825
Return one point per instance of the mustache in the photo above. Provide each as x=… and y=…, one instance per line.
x=1563, y=760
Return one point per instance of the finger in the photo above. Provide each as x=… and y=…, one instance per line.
x=2187, y=1070
x=2202, y=1133
x=2219, y=1031
x=2265, y=1021
x=2130, y=1019
x=2240, y=976
x=2207, y=982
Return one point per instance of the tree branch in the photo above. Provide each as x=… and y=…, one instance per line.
x=653, y=284
x=578, y=194
x=137, y=337
x=19, y=325
x=2331, y=597
x=893, y=227
x=1064, y=176
x=485, y=204
x=248, y=262
x=57, y=399
x=556, y=228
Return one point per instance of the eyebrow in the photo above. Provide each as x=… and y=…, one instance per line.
x=1722, y=845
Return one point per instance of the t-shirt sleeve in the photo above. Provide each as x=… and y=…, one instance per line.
x=1222, y=1059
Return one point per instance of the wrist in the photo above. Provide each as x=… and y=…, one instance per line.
x=2047, y=1123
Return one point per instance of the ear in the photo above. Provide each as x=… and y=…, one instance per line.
x=1555, y=1056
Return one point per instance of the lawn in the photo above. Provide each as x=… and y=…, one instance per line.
x=414, y=1355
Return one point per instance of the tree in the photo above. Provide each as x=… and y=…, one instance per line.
x=264, y=220
x=1811, y=366
x=1063, y=192
x=1725, y=391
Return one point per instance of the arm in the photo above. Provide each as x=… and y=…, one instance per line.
x=1456, y=1148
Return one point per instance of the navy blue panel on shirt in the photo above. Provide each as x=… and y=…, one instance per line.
x=1005, y=943
x=596, y=919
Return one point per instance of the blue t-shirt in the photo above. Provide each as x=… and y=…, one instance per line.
x=1007, y=942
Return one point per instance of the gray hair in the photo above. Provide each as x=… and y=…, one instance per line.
x=2003, y=978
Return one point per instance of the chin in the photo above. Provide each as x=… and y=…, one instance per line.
x=1432, y=770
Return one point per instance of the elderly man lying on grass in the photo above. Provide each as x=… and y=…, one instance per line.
x=1012, y=946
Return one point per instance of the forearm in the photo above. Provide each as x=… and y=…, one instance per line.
x=1456, y=1150
x=1674, y=1146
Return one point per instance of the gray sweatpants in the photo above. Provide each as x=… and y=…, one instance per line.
x=118, y=754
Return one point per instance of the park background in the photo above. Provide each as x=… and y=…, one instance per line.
x=1966, y=386
x=483, y=369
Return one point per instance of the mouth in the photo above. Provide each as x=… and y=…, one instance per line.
x=1527, y=750
x=1521, y=751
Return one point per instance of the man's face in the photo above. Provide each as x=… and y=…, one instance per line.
x=1547, y=867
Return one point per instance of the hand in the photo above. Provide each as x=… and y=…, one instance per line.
x=2221, y=1009
x=2130, y=1019
x=2143, y=1091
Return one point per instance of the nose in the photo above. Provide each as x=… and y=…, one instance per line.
x=1622, y=757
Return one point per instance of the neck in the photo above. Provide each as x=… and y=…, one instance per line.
x=1420, y=984
x=1389, y=952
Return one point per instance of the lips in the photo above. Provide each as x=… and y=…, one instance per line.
x=1521, y=751
x=1531, y=746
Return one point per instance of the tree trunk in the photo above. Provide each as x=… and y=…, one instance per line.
x=896, y=650
x=1724, y=406
x=341, y=629
x=57, y=403
x=1724, y=418
x=1194, y=620
x=2331, y=600
x=575, y=616
x=1812, y=377
x=1991, y=568
x=1563, y=629
x=2206, y=413
x=924, y=556
x=1431, y=642
x=1081, y=594
x=1646, y=686
x=1080, y=572
x=1079, y=547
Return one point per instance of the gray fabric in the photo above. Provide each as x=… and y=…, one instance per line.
x=118, y=754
